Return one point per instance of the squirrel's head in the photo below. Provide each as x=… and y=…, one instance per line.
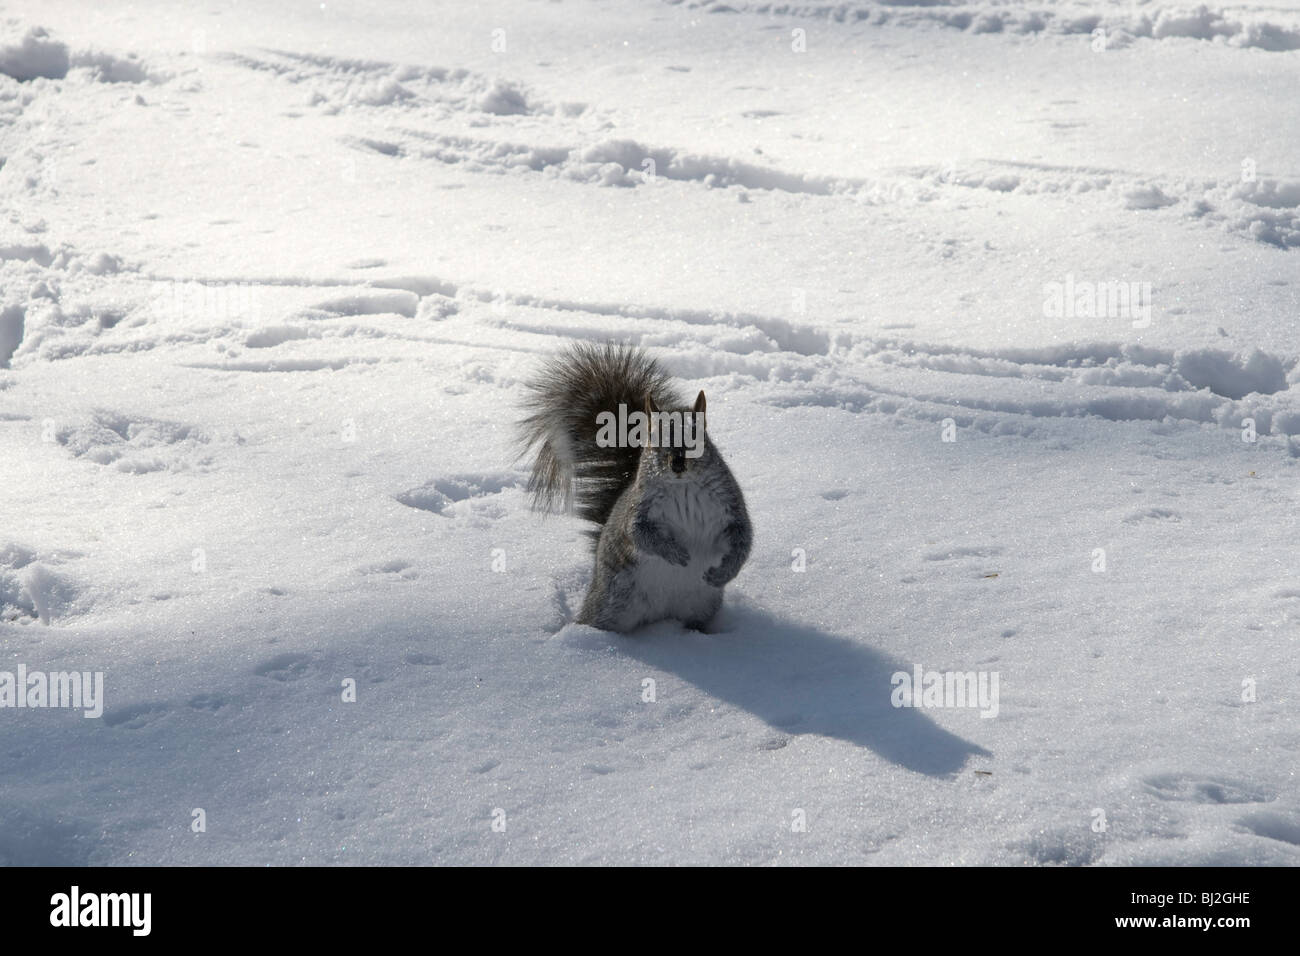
x=678, y=442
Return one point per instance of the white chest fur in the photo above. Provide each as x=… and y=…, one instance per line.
x=693, y=518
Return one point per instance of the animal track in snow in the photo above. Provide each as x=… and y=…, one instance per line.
x=16, y=602
x=1272, y=826
x=1153, y=514
x=1105, y=380
x=371, y=302
x=397, y=566
x=283, y=364
x=1121, y=27
x=30, y=591
x=1194, y=788
x=135, y=716
x=335, y=84
x=1266, y=210
x=208, y=702
x=442, y=495
x=132, y=444
x=1061, y=846
x=285, y=667
x=273, y=335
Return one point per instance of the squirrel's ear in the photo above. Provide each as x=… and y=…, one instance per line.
x=699, y=409
x=652, y=421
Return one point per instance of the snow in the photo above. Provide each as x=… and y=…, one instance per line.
x=34, y=55
x=272, y=276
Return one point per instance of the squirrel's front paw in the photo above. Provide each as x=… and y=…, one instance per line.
x=674, y=553
x=716, y=577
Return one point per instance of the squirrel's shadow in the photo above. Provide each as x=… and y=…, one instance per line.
x=803, y=681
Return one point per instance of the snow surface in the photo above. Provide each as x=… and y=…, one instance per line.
x=271, y=276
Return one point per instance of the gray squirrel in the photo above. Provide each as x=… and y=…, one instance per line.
x=672, y=528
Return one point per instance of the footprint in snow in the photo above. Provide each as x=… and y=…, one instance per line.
x=1153, y=514
x=1193, y=788
x=444, y=496
x=567, y=589
x=209, y=702
x=134, y=716
x=1272, y=826
x=370, y=302
x=397, y=566
x=284, y=667
x=1061, y=846
x=132, y=445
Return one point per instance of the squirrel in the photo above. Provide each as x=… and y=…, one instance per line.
x=672, y=528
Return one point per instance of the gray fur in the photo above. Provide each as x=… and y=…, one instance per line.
x=669, y=541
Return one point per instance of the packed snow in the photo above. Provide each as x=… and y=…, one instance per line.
x=996, y=307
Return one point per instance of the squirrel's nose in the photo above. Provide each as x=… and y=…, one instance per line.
x=679, y=464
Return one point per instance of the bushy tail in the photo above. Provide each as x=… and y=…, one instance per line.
x=571, y=472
